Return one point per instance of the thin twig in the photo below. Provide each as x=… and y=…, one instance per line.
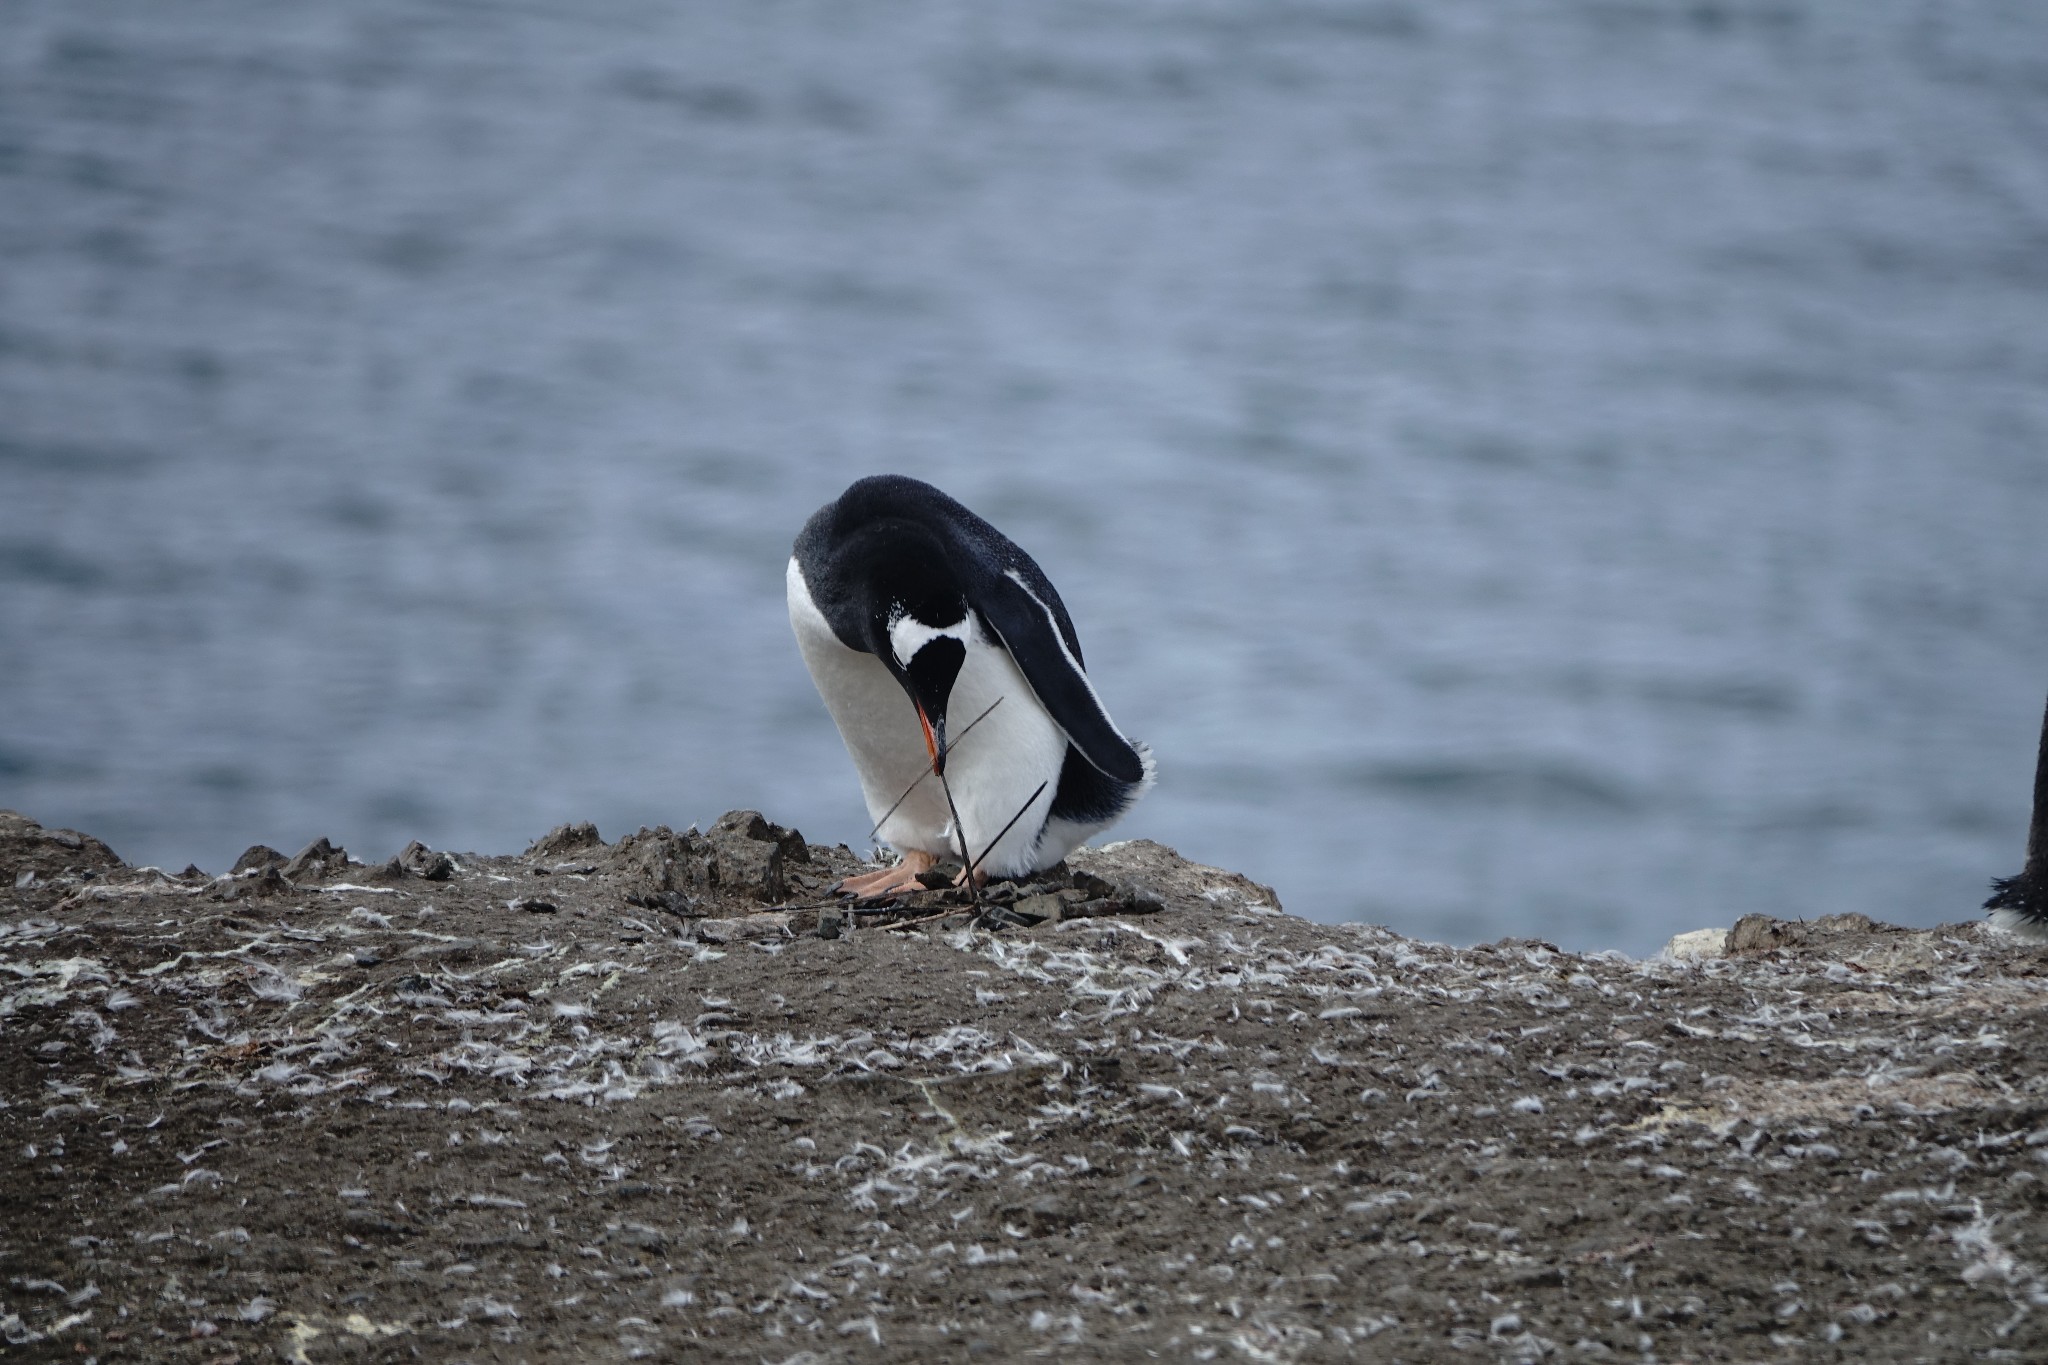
x=960, y=833
x=929, y=771
x=921, y=919
x=1004, y=830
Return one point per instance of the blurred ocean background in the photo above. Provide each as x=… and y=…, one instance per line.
x=1567, y=469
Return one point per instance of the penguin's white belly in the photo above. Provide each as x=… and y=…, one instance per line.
x=993, y=769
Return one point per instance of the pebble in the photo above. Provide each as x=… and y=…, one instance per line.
x=1695, y=946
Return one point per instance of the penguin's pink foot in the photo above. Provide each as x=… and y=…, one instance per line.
x=889, y=881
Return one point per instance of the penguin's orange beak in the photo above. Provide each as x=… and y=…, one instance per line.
x=934, y=740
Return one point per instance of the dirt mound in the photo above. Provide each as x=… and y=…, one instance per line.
x=30, y=853
x=666, y=1098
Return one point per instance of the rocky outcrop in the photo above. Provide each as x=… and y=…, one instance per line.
x=29, y=853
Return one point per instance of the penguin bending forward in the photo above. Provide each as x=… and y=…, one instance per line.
x=953, y=672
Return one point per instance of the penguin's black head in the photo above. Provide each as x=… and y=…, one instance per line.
x=917, y=623
x=888, y=588
x=928, y=678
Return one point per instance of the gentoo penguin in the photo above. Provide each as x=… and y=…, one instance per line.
x=942, y=650
x=2019, y=904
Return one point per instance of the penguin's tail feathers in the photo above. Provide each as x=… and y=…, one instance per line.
x=2018, y=906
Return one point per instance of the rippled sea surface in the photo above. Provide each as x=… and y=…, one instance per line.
x=1575, y=470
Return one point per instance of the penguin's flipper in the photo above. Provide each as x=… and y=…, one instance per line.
x=1030, y=631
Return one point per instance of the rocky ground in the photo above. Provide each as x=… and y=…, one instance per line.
x=661, y=1099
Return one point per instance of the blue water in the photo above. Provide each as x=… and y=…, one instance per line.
x=1562, y=469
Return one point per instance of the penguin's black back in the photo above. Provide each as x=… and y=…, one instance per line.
x=858, y=525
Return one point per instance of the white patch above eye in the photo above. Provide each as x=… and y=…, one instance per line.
x=907, y=635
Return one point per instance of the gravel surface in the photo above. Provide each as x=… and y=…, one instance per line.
x=663, y=1099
